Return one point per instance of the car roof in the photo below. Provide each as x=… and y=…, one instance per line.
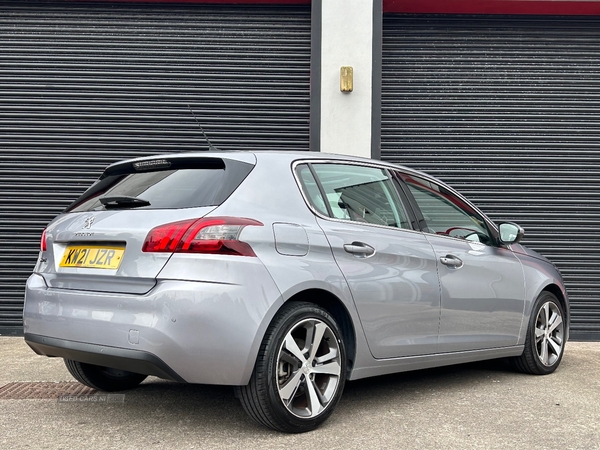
x=253, y=156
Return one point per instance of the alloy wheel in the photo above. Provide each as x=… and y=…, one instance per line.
x=308, y=368
x=549, y=333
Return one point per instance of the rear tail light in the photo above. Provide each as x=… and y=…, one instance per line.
x=43, y=246
x=217, y=235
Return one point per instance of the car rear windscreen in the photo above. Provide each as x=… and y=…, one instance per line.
x=164, y=184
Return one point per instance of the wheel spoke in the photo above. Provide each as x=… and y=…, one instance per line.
x=287, y=357
x=539, y=334
x=291, y=346
x=556, y=346
x=545, y=318
x=555, y=321
x=315, y=404
x=332, y=354
x=288, y=391
x=544, y=352
x=332, y=368
x=317, y=336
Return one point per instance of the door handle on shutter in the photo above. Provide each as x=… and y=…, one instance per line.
x=359, y=249
x=451, y=261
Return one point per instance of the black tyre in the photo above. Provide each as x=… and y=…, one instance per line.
x=545, y=341
x=103, y=378
x=300, y=371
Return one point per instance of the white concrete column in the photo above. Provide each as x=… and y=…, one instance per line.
x=347, y=39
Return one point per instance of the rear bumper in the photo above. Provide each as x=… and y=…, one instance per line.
x=192, y=331
x=118, y=358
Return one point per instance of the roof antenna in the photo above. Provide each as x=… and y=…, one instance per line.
x=211, y=147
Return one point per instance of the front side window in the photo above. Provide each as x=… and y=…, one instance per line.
x=357, y=193
x=445, y=213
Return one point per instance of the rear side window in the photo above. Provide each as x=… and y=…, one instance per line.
x=312, y=189
x=355, y=193
x=171, y=184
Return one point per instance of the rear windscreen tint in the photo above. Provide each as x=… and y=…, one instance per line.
x=199, y=183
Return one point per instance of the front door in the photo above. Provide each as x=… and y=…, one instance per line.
x=482, y=284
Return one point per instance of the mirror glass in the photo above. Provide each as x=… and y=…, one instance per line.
x=510, y=233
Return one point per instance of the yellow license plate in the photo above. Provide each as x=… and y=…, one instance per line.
x=93, y=257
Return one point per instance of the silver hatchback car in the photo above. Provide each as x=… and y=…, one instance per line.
x=284, y=275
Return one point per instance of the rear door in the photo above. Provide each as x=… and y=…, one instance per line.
x=390, y=268
x=482, y=284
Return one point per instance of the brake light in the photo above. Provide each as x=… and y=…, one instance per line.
x=217, y=235
x=43, y=246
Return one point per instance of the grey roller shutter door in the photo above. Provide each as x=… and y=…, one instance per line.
x=86, y=84
x=507, y=110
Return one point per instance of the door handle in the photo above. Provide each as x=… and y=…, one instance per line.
x=359, y=249
x=451, y=261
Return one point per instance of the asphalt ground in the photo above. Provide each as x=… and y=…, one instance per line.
x=472, y=406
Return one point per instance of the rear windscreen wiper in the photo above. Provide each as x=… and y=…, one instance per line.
x=123, y=201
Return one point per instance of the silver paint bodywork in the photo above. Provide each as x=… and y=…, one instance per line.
x=205, y=315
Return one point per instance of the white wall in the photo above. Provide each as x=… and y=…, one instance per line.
x=346, y=40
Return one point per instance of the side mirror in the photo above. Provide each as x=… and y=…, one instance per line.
x=510, y=233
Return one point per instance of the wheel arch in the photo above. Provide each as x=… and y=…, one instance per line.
x=334, y=306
